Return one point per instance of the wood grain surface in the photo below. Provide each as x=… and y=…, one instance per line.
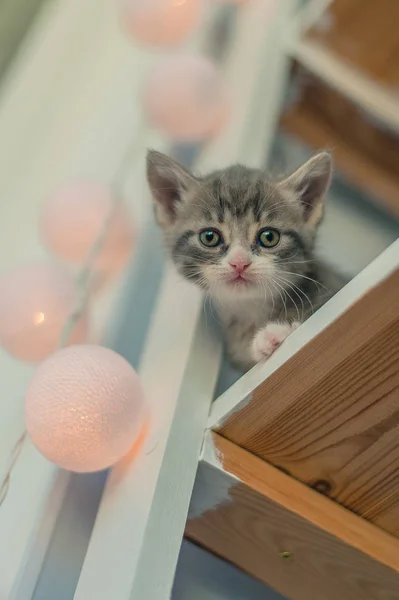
x=298, y=542
x=366, y=34
x=330, y=415
x=365, y=151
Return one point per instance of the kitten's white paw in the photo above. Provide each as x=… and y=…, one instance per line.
x=268, y=339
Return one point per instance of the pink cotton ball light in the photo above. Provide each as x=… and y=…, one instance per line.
x=161, y=22
x=84, y=408
x=73, y=219
x=185, y=98
x=35, y=302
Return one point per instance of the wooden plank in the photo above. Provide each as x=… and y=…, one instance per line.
x=381, y=185
x=363, y=33
x=330, y=414
x=288, y=536
x=365, y=151
x=365, y=92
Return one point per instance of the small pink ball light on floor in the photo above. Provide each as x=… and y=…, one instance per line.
x=73, y=219
x=161, y=22
x=186, y=99
x=35, y=302
x=84, y=408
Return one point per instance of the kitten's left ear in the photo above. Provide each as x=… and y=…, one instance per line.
x=169, y=183
x=310, y=183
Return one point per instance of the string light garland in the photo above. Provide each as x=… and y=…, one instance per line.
x=83, y=282
x=185, y=98
x=35, y=301
x=84, y=408
x=71, y=221
x=161, y=22
x=196, y=113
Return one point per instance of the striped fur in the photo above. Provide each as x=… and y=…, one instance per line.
x=285, y=283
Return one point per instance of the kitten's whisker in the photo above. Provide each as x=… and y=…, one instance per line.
x=268, y=292
x=305, y=295
x=291, y=298
x=308, y=278
x=294, y=262
x=208, y=297
x=288, y=258
x=277, y=205
x=278, y=288
x=292, y=286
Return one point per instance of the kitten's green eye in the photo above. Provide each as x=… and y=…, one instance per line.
x=268, y=238
x=210, y=238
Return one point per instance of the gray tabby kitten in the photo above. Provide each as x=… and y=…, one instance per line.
x=248, y=242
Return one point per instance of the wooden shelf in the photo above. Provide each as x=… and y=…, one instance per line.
x=355, y=166
x=284, y=534
x=364, y=34
x=365, y=152
x=321, y=413
x=379, y=101
x=329, y=416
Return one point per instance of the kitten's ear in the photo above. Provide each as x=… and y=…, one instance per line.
x=168, y=182
x=310, y=183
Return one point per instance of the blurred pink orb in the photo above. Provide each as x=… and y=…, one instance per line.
x=84, y=408
x=73, y=219
x=161, y=22
x=185, y=98
x=35, y=302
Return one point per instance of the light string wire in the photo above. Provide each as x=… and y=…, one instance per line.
x=83, y=284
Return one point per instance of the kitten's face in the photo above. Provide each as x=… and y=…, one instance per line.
x=236, y=234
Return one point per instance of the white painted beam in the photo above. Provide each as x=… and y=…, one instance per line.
x=136, y=539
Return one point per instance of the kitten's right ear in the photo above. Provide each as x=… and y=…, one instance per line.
x=168, y=181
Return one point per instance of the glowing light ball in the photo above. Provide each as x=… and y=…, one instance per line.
x=84, y=408
x=35, y=302
x=73, y=219
x=161, y=22
x=185, y=98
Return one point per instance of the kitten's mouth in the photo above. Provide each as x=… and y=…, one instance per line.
x=239, y=279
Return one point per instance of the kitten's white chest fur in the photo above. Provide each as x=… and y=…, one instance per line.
x=248, y=312
x=242, y=319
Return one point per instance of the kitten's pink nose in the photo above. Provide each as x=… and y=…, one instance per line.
x=239, y=263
